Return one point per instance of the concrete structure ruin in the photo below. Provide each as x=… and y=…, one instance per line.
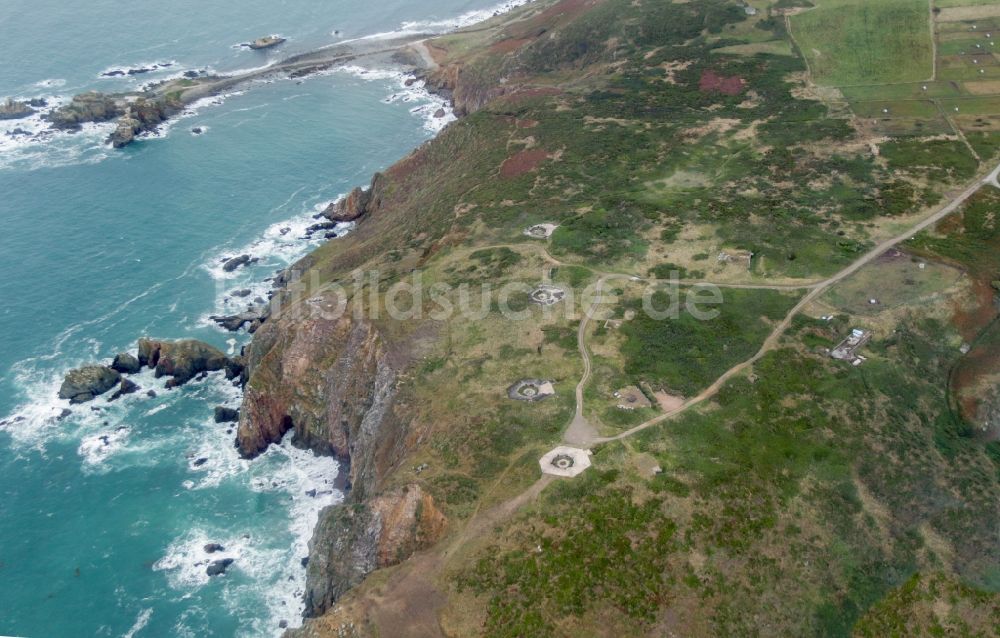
x=531, y=390
x=565, y=461
x=546, y=295
x=541, y=231
x=847, y=350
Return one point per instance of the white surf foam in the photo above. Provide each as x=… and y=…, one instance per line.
x=435, y=111
x=140, y=623
x=265, y=569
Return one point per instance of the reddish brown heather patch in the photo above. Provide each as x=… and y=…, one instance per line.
x=972, y=377
x=526, y=123
x=406, y=166
x=510, y=45
x=713, y=82
x=520, y=163
x=971, y=319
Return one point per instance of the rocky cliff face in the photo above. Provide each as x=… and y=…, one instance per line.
x=352, y=541
x=333, y=380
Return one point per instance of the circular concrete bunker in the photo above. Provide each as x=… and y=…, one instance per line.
x=531, y=390
x=565, y=461
x=540, y=231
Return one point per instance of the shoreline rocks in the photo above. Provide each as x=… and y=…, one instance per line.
x=14, y=110
x=182, y=360
x=219, y=567
x=142, y=116
x=226, y=415
x=252, y=318
x=236, y=262
x=125, y=387
x=126, y=364
x=92, y=106
x=358, y=203
x=84, y=384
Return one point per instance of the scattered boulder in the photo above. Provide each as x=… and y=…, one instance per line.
x=198, y=462
x=246, y=292
x=151, y=394
x=13, y=110
x=211, y=548
x=219, y=567
x=440, y=113
x=126, y=387
x=83, y=384
x=126, y=363
x=182, y=360
x=226, y=415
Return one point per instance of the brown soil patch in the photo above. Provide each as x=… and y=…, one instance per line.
x=520, y=163
x=986, y=87
x=958, y=14
x=712, y=82
x=669, y=402
x=526, y=123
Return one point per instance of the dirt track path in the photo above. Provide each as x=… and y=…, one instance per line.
x=815, y=292
x=410, y=603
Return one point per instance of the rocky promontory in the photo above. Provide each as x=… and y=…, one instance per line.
x=359, y=202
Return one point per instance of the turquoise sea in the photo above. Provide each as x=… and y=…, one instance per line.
x=104, y=514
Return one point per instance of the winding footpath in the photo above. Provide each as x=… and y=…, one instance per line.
x=815, y=290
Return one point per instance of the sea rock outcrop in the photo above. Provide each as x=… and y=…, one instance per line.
x=125, y=387
x=141, y=116
x=126, y=363
x=219, y=567
x=251, y=318
x=226, y=415
x=86, y=107
x=236, y=262
x=359, y=202
x=266, y=42
x=181, y=360
x=351, y=541
x=83, y=384
x=14, y=110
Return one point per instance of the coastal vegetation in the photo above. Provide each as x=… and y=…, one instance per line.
x=802, y=496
